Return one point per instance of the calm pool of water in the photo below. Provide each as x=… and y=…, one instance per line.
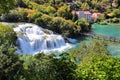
x=107, y=30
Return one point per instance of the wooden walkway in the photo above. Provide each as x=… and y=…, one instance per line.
x=101, y=37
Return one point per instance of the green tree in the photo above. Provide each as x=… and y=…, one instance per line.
x=95, y=62
x=10, y=64
x=65, y=67
x=85, y=6
x=115, y=13
x=58, y=24
x=50, y=10
x=6, y=5
x=7, y=34
x=64, y=11
x=84, y=24
x=99, y=66
x=39, y=67
x=20, y=3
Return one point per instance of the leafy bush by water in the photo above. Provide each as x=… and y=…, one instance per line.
x=7, y=34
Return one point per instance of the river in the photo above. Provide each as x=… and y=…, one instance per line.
x=112, y=30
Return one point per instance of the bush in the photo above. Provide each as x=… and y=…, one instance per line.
x=84, y=24
x=115, y=13
x=103, y=23
x=7, y=34
x=10, y=17
x=115, y=20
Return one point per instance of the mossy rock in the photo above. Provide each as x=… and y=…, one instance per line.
x=47, y=31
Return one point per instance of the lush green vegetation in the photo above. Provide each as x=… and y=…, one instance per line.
x=48, y=13
x=10, y=64
x=7, y=34
x=6, y=5
x=91, y=61
x=109, y=8
x=54, y=15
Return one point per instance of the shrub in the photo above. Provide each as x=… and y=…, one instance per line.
x=115, y=13
x=7, y=34
x=10, y=65
x=84, y=24
x=115, y=20
x=46, y=31
x=103, y=23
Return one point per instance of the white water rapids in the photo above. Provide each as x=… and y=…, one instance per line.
x=33, y=39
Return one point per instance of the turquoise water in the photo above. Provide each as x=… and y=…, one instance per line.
x=109, y=30
x=114, y=49
x=106, y=30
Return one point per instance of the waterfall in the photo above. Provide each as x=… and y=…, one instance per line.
x=33, y=39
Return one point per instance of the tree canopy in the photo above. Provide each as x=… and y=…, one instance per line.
x=6, y=5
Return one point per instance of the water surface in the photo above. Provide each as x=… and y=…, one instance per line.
x=107, y=30
x=112, y=30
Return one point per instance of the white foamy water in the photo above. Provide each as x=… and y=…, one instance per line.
x=33, y=39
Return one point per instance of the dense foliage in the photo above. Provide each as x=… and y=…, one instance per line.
x=7, y=34
x=99, y=66
x=38, y=67
x=48, y=15
x=6, y=5
x=10, y=65
x=84, y=24
x=91, y=61
x=95, y=62
x=58, y=24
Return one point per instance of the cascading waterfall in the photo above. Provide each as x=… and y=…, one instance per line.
x=33, y=39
